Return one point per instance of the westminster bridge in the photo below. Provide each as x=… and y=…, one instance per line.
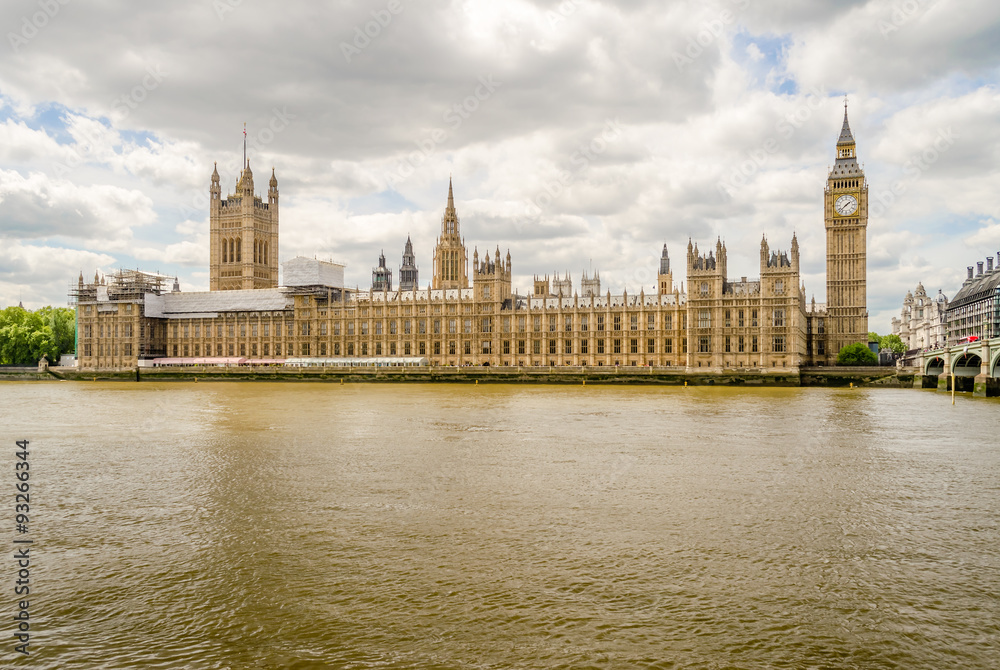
x=975, y=366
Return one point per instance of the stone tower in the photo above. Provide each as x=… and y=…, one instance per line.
x=382, y=275
x=846, y=216
x=243, y=231
x=590, y=286
x=451, y=258
x=664, y=279
x=408, y=270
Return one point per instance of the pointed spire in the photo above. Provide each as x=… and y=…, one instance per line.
x=846, y=137
x=274, y=180
x=215, y=172
x=451, y=196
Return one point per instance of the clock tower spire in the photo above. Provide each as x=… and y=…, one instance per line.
x=846, y=218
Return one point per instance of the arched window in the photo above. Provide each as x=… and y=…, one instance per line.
x=239, y=251
x=264, y=259
x=232, y=251
x=225, y=252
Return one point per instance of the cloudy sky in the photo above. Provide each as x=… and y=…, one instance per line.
x=580, y=134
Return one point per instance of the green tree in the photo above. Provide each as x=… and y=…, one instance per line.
x=893, y=344
x=27, y=336
x=856, y=354
x=875, y=337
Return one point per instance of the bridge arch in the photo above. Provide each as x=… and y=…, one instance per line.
x=995, y=367
x=935, y=366
x=967, y=365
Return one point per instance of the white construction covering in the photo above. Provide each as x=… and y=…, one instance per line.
x=208, y=304
x=302, y=271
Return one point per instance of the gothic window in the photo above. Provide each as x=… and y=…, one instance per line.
x=668, y=346
x=468, y=348
x=753, y=318
x=506, y=347
x=740, y=345
x=225, y=252
x=567, y=347
x=650, y=346
x=322, y=328
x=704, y=288
x=668, y=321
x=537, y=324
x=600, y=322
x=600, y=346
x=239, y=252
x=452, y=326
x=520, y=347
x=378, y=327
x=778, y=344
x=378, y=348
x=633, y=346
x=703, y=344
x=634, y=322
x=729, y=318
x=406, y=326
x=583, y=347
x=364, y=348
x=487, y=347
x=704, y=319
x=552, y=347
x=617, y=346
x=392, y=327
x=618, y=325
x=350, y=348
x=350, y=327
x=728, y=344
x=583, y=324
x=552, y=324
x=779, y=286
x=650, y=322
x=536, y=346
x=779, y=318
x=753, y=344
x=422, y=326
x=740, y=318
x=568, y=324
x=467, y=326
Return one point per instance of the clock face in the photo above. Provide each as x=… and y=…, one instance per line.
x=846, y=205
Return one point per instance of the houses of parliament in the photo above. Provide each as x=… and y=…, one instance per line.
x=471, y=314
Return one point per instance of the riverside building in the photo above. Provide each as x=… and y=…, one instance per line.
x=471, y=314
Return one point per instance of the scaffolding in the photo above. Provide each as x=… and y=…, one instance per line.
x=123, y=285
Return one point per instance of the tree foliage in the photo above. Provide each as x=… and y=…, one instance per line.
x=27, y=336
x=856, y=354
x=893, y=343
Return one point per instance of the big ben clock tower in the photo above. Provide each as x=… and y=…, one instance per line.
x=846, y=215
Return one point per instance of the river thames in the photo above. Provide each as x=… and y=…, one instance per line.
x=257, y=525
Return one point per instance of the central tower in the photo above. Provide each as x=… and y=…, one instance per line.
x=451, y=259
x=243, y=233
x=846, y=216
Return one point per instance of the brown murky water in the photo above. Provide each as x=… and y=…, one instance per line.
x=367, y=526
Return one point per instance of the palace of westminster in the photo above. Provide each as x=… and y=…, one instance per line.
x=131, y=318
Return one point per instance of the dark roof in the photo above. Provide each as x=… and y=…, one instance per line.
x=978, y=289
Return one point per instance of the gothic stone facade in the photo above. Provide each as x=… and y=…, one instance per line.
x=717, y=324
